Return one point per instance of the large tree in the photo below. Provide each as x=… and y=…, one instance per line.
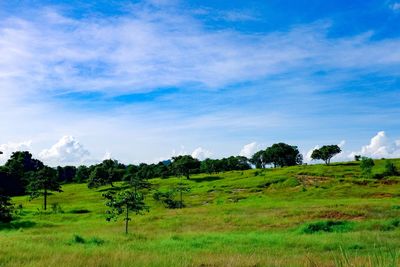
x=42, y=182
x=326, y=153
x=17, y=171
x=185, y=165
x=282, y=154
x=124, y=203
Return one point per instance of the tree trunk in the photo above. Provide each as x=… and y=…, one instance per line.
x=45, y=199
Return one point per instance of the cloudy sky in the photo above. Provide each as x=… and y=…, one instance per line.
x=141, y=81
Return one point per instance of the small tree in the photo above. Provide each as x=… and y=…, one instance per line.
x=123, y=203
x=366, y=166
x=6, y=209
x=42, y=182
x=390, y=169
x=326, y=153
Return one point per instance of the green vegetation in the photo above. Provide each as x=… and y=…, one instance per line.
x=313, y=215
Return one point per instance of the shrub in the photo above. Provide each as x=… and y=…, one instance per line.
x=366, y=166
x=167, y=198
x=327, y=226
x=6, y=209
x=390, y=169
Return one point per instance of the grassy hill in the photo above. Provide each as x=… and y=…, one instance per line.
x=297, y=216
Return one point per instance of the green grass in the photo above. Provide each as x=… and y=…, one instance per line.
x=298, y=216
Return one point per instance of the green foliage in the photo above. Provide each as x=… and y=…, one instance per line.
x=6, y=209
x=279, y=155
x=167, y=198
x=366, y=166
x=43, y=181
x=82, y=174
x=327, y=226
x=122, y=203
x=106, y=173
x=326, y=153
x=184, y=165
x=390, y=169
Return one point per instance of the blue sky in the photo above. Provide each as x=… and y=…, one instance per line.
x=146, y=80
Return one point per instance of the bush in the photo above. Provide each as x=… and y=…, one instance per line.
x=327, y=226
x=390, y=169
x=366, y=166
x=6, y=209
x=167, y=198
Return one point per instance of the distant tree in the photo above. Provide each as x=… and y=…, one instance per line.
x=366, y=166
x=16, y=172
x=98, y=177
x=282, y=154
x=137, y=182
x=208, y=166
x=66, y=174
x=390, y=169
x=260, y=159
x=42, y=182
x=185, y=165
x=6, y=209
x=107, y=172
x=326, y=153
x=82, y=174
x=357, y=157
x=123, y=203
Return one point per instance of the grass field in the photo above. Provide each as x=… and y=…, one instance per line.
x=311, y=215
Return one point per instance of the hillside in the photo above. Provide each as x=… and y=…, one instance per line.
x=311, y=215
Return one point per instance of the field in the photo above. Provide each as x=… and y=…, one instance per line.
x=311, y=215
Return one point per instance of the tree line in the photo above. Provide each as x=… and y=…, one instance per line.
x=24, y=175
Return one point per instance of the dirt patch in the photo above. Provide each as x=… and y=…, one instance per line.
x=312, y=180
x=381, y=195
x=337, y=215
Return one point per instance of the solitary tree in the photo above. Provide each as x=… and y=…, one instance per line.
x=326, y=153
x=42, y=182
x=123, y=203
x=366, y=166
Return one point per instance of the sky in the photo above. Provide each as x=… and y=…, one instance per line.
x=142, y=81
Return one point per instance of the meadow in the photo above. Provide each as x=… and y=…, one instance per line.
x=313, y=215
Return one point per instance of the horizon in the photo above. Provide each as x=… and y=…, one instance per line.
x=142, y=81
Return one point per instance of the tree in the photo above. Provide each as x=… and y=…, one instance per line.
x=107, y=172
x=390, y=169
x=260, y=159
x=135, y=180
x=17, y=172
x=123, y=203
x=66, y=174
x=366, y=166
x=326, y=153
x=42, y=182
x=281, y=155
x=184, y=165
x=6, y=208
x=82, y=174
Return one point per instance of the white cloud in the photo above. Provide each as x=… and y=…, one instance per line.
x=67, y=150
x=380, y=146
x=201, y=153
x=249, y=150
x=106, y=156
x=11, y=147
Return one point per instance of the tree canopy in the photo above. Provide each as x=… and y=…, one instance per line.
x=326, y=153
